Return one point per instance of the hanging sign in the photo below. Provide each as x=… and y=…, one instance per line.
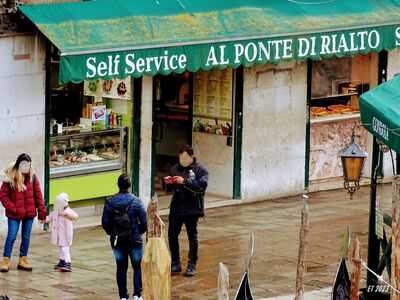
x=120, y=64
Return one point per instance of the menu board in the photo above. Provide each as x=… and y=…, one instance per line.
x=113, y=88
x=213, y=94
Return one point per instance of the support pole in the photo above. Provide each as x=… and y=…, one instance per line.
x=301, y=267
x=373, y=242
x=395, y=277
x=355, y=269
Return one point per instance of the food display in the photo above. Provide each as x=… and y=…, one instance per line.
x=121, y=89
x=336, y=109
x=89, y=152
x=107, y=86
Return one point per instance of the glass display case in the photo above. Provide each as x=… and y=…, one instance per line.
x=87, y=152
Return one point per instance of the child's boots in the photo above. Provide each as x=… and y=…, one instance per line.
x=66, y=268
x=61, y=263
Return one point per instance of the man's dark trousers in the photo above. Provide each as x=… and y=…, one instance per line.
x=174, y=229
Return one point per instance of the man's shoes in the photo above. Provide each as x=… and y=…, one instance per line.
x=137, y=298
x=5, y=265
x=60, y=264
x=191, y=270
x=176, y=267
x=66, y=268
x=24, y=264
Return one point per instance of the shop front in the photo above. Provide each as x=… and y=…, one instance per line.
x=90, y=135
x=190, y=74
x=336, y=85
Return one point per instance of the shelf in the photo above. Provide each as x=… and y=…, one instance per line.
x=64, y=136
x=212, y=117
x=334, y=96
x=335, y=118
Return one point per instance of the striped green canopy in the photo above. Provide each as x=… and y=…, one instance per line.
x=117, y=38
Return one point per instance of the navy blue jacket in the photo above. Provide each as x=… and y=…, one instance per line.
x=137, y=215
x=188, y=199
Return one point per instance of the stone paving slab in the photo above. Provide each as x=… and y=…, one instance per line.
x=224, y=237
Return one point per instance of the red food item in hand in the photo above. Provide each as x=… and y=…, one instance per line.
x=169, y=180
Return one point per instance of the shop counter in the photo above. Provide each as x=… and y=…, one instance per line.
x=85, y=187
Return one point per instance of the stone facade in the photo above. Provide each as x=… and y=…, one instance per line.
x=22, y=109
x=274, y=130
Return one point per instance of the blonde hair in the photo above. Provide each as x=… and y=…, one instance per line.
x=17, y=179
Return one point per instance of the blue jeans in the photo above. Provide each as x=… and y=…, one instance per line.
x=13, y=227
x=121, y=255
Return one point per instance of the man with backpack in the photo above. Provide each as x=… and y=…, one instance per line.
x=124, y=220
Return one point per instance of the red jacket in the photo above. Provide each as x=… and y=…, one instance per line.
x=23, y=205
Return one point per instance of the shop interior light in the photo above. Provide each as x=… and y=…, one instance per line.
x=353, y=159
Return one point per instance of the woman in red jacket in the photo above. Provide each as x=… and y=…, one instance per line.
x=21, y=196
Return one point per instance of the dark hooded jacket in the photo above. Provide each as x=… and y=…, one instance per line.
x=136, y=212
x=188, y=199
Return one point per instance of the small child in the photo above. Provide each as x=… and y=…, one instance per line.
x=62, y=230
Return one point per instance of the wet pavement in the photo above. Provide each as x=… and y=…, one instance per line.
x=224, y=236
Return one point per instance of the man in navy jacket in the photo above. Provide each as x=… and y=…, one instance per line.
x=130, y=245
x=188, y=180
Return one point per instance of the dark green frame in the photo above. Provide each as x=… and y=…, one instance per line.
x=47, y=123
x=238, y=132
x=136, y=137
x=376, y=263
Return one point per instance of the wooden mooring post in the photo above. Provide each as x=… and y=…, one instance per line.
x=303, y=242
x=355, y=270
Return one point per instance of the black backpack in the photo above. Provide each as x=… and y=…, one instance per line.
x=120, y=223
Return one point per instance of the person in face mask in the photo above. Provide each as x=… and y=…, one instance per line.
x=188, y=180
x=22, y=198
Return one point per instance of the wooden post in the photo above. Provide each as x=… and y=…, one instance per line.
x=395, y=278
x=355, y=269
x=223, y=282
x=301, y=267
x=153, y=220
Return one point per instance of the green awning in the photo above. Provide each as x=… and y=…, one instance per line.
x=116, y=38
x=380, y=112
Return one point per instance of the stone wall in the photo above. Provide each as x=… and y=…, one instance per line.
x=274, y=130
x=146, y=140
x=22, y=109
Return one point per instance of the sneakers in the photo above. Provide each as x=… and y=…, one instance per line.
x=66, y=268
x=137, y=298
x=191, y=270
x=5, y=265
x=24, y=264
x=176, y=268
x=61, y=263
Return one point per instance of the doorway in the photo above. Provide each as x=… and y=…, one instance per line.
x=172, y=125
x=199, y=109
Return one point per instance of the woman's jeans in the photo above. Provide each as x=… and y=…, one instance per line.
x=13, y=227
x=121, y=255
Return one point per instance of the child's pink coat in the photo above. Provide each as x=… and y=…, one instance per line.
x=62, y=228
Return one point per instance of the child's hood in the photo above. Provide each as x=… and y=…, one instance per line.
x=61, y=202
